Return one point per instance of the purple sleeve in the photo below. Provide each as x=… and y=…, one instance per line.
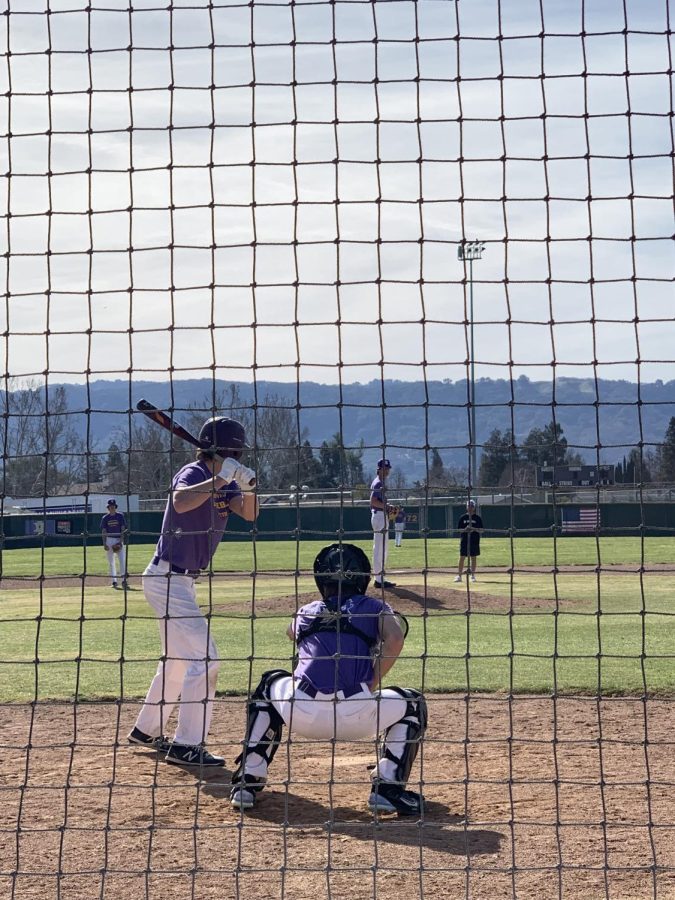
x=305, y=616
x=188, y=476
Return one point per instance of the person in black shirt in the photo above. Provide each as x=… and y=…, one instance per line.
x=470, y=527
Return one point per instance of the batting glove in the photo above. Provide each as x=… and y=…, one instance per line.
x=234, y=471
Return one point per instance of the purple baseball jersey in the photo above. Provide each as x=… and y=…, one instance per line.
x=190, y=539
x=334, y=661
x=376, y=492
x=113, y=523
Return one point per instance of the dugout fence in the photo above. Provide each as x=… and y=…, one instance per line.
x=328, y=524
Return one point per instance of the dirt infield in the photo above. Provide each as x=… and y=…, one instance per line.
x=526, y=797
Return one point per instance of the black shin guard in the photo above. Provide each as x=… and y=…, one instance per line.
x=415, y=723
x=261, y=715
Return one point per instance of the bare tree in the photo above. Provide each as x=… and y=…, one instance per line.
x=42, y=452
x=271, y=429
x=154, y=455
x=278, y=445
x=151, y=456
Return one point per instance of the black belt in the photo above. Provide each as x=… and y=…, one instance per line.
x=176, y=569
x=302, y=684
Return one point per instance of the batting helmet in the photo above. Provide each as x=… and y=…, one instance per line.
x=341, y=569
x=224, y=436
x=383, y=464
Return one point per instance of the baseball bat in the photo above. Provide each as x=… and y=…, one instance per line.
x=161, y=418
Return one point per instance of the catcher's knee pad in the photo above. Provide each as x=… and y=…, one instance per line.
x=263, y=723
x=262, y=692
x=409, y=729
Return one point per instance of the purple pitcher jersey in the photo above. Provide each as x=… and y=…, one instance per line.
x=376, y=489
x=338, y=661
x=190, y=539
x=113, y=523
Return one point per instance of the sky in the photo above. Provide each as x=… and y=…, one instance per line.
x=281, y=195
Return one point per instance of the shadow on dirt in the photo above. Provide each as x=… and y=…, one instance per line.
x=415, y=599
x=440, y=830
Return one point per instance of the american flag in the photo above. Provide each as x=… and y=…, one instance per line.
x=580, y=518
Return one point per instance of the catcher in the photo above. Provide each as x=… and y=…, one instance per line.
x=114, y=532
x=346, y=643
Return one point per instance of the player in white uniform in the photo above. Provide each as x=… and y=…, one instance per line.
x=203, y=494
x=399, y=526
x=114, y=532
x=346, y=643
x=379, y=519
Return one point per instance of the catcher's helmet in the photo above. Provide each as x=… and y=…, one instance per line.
x=341, y=569
x=224, y=436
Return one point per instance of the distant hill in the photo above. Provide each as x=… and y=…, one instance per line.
x=404, y=417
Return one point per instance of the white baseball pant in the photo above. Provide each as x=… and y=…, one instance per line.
x=399, y=528
x=110, y=542
x=188, y=671
x=328, y=717
x=380, y=525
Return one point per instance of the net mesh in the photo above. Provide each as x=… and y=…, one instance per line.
x=436, y=232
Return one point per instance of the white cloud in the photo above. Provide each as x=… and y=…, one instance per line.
x=295, y=183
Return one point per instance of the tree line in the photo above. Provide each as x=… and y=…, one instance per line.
x=503, y=462
x=44, y=454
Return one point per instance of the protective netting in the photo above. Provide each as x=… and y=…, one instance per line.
x=433, y=232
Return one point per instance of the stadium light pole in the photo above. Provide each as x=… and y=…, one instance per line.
x=467, y=251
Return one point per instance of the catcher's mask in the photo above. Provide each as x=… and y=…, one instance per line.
x=223, y=436
x=341, y=569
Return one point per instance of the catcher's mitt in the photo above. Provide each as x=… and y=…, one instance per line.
x=116, y=548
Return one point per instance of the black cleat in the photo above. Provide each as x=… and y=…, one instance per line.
x=242, y=795
x=160, y=743
x=192, y=755
x=387, y=797
x=384, y=584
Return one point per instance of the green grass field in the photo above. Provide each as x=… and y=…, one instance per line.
x=572, y=631
x=271, y=556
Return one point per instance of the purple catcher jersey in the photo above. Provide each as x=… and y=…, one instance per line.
x=190, y=539
x=376, y=492
x=113, y=523
x=338, y=661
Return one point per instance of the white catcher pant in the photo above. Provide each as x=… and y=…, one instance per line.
x=110, y=542
x=329, y=716
x=380, y=525
x=188, y=671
